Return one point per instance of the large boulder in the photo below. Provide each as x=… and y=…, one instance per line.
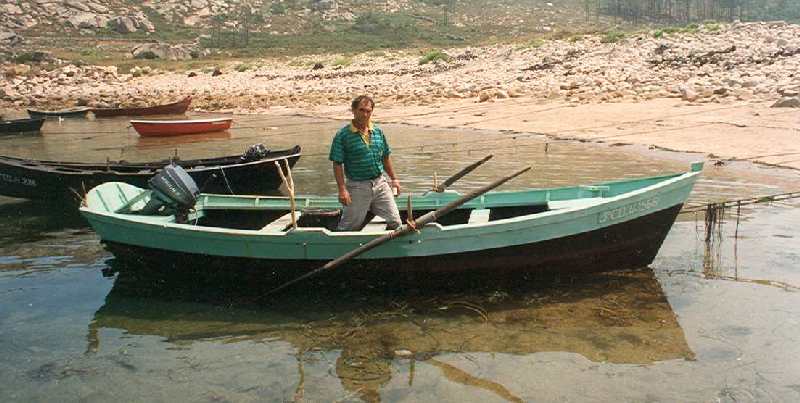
x=142, y=22
x=123, y=25
x=82, y=20
x=98, y=8
x=324, y=5
x=10, y=9
x=9, y=39
x=161, y=51
x=78, y=5
x=787, y=102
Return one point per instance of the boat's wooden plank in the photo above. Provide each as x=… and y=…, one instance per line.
x=377, y=224
x=576, y=203
x=280, y=224
x=479, y=216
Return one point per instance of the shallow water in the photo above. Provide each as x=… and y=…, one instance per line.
x=707, y=321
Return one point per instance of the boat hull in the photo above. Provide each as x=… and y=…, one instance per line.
x=164, y=128
x=609, y=226
x=21, y=125
x=66, y=113
x=627, y=245
x=59, y=181
x=176, y=108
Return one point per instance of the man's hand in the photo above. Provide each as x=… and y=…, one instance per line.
x=344, y=197
x=395, y=184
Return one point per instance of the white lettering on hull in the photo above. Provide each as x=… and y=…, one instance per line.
x=17, y=180
x=627, y=210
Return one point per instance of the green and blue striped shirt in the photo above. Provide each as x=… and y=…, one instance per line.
x=362, y=161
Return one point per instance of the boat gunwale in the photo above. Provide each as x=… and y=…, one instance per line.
x=145, y=169
x=530, y=220
x=185, y=121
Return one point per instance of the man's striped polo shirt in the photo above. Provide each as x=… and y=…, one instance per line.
x=361, y=161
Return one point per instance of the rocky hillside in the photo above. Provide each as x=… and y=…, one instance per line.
x=718, y=64
x=277, y=17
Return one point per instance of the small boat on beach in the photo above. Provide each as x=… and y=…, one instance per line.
x=601, y=227
x=175, y=108
x=77, y=112
x=21, y=125
x=252, y=173
x=155, y=128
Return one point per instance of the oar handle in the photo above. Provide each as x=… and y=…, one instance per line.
x=460, y=174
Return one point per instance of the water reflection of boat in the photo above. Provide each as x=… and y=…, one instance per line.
x=620, y=317
x=158, y=142
x=25, y=221
x=59, y=180
x=613, y=225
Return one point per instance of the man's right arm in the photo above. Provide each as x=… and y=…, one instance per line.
x=337, y=157
x=338, y=173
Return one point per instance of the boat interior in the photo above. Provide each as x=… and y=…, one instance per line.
x=281, y=220
x=273, y=214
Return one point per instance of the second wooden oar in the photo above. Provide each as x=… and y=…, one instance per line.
x=460, y=174
x=403, y=230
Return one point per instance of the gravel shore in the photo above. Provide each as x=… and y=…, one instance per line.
x=710, y=91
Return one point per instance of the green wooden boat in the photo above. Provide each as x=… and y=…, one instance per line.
x=606, y=226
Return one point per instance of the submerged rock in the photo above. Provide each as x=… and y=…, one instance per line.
x=787, y=102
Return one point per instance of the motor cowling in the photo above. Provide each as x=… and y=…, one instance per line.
x=173, y=192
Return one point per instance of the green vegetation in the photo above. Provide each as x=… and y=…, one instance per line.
x=343, y=61
x=277, y=8
x=536, y=43
x=612, y=37
x=434, y=56
x=280, y=28
x=29, y=57
x=242, y=67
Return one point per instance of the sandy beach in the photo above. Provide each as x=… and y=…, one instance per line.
x=711, y=92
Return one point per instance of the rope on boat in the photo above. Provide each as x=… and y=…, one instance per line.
x=708, y=207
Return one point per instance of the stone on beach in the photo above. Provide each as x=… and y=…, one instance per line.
x=787, y=102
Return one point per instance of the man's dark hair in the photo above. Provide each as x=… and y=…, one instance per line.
x=361, y=98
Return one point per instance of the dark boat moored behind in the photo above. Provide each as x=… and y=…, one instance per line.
x=175, y=108
x=21, y=125
x=59, y=180
x=78, y=112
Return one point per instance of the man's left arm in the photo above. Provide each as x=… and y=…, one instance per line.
x=387, y=166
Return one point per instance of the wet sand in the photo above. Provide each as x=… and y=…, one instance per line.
x=739, y=131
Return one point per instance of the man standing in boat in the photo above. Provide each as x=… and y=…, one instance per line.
x=361, y=154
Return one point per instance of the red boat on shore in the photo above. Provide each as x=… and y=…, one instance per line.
x=152, y=128
x=175, y=108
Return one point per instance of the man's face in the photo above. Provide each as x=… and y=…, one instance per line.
x=363, y=112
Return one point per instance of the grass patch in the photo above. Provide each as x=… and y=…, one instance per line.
x=29, y=57
x=343, y=61
x=575, y=38
x=533, y=44
x=242, y=67
x=612, y=37
x=712, y=27
x=434, y=56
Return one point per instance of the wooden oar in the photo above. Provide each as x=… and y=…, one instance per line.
x=403, y=230
x=460, y=174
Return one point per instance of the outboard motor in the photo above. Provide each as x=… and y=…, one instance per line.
x=173, y=192
x=255, y=152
